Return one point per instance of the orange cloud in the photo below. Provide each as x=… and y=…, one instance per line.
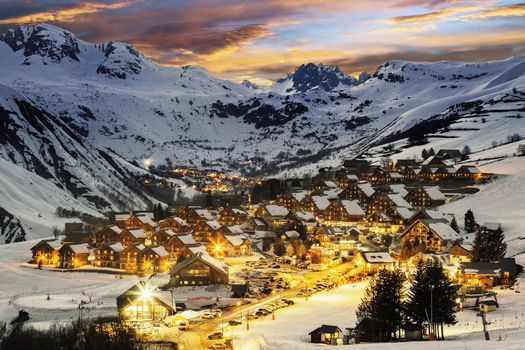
x=66, y=14
x=431, y=16
x=517, y=10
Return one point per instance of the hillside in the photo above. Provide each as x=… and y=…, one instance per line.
x=76, y=115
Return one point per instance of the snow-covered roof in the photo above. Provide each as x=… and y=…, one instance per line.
x=398, y=189
x=470, y=168
x=352, y=177
x=205, y=214
x=330, y=184
x=170, y=233
x=117, y=247
x=115, y=229
x=237, y=229
x=395, y=175
x=493, y=226
x=352, y=208
x=121, y=217
x=82, y=248
x=404, y=213
x=435, y=214
x=434, y=193
x=198, y=249
x=235, y=240
x=444, y=231
x=187, y=239
x=214, y=224
x=138, y=233
x=399, y=201
x=292, y=234
x=276, y=210
x=160, y=250
x=299, y=195
x=305, y=215
x=332, y=193
x=214, y=262
x=377, y=257
x=238, y=211
x=321, y=202
x=367, y=188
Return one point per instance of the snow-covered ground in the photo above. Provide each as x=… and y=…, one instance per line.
x=291, y=326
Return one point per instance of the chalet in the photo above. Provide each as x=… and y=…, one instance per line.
x=468, y=172
x=274, y=215
x=240, y=290
x=153, y=259
x=453, y=155
x=288, y=201
x=179, y=246
x=371, y=262
x=381, y=202
x=324, y=185
x=399, y=189
x=436, y=235
x=305, y=218
x=362, y=192
x=403, y=163
x=356, y=166
x=108, y=255
x=432, y=161
x=425, y=197
x=174, y=224
x=132, y=236
x=77, y=237
x=129, y=257
x=205, y=214
x=379, y=222
x=343, y=213
x=231, y=230
x=325, y=334
x=232, y=216
x=144, y=303
x=315, y=204
x=200, y=269
x=444, y=173
x=230, y=246
x=45, y=252
x=190, y=215
x=400, y=218
x=379, y=175
x=73, y=255
x=160, y=237
x=428, y=172
x=144, y=222
x=344, y=179
x=486, y=274
x=205, y=230
x=459, y=254
x=107, y=234
x=254, y=224
x=291, y=235
x=411, y=173
x=72, y=227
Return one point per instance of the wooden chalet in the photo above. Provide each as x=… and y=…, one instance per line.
x=200, y=269
x=144, y=222
x=178, y=246
x=144, y=303
x=129, y=257
x=379, y=222
x=174, y=224
x=190, y=215
x=382, y=201
x=205, y=230
x=433, y=161
x=230, y=246
x=232, y=216
x=444, y=173
x=362, y=192
x=436, y=235
x=404, y=163
x=107, y=234
x=45, y=252
x=425, y=197
x=357, y=166
x=468, y=172
x=325, y=334
x=71, y=256
x=274, y=215
x=108, y=255
x=160, y=237
x=132, y=236
x=459, y=254
x=411, y=173
x=343, y=180
x=343, y=213
x=153, y=259
x=371, y=262
x=487, y=274
x=288, y=201
x=453, y=155
x=315, y=204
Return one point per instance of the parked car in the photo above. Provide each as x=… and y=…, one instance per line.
x=234, y=322
x=215, y=335
x=219, y=346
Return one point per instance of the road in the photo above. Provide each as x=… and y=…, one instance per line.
x=197, y=336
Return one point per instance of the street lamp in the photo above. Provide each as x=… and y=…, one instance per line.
x=273, y=309
x=217, y=249
x=431, y=311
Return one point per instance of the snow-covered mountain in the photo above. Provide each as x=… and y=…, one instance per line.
x=309, y=77
x=76, y=114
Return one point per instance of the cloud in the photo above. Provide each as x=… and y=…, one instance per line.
x=517, y=10
x=431, y=16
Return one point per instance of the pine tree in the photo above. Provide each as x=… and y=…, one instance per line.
x=497, y=238
x=424, y=154
x=479, y=246
x=431, y=294
x=431, y=152
x=489, y=244
x=470, y=221
x=454, y=224
x=382, y=306
x=279, y=248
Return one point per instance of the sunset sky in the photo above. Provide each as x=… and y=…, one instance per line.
x=262, y=40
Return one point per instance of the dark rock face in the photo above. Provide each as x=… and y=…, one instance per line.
x=11, y=229
x=121, y=60
x=39, y=40
x=310, y=76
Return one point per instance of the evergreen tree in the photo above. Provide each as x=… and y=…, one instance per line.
x=301, y=229
x=209, y=200
x=489, y=244
x=470, y=221
x=499, y=246
x=382, y=306
x=424, y=154
x=431, y=152
x=431, y=294
x=454, y=224
x=279, y=248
